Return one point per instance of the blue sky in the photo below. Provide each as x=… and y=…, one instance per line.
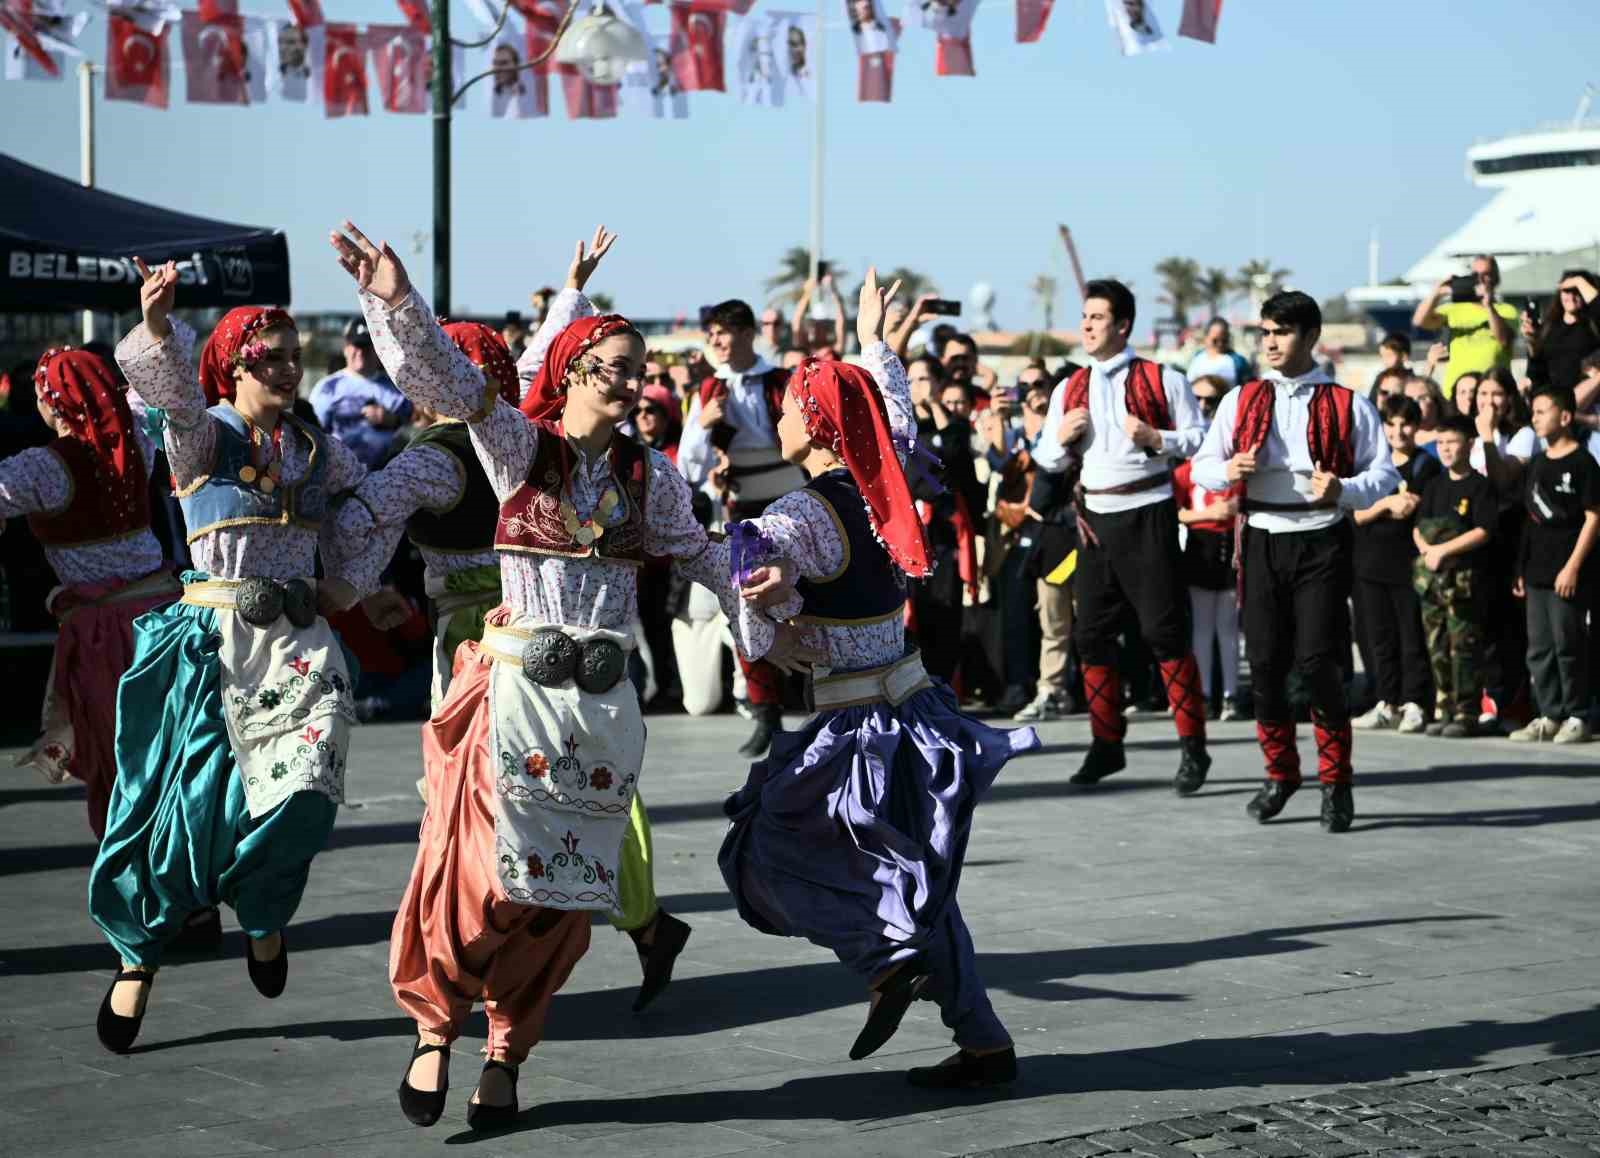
x=1307, y=125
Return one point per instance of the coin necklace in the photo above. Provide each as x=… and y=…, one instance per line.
x=265, y=460
x=584, y=531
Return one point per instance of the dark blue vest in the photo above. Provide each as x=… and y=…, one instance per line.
x=868, y=587
x=222, y=498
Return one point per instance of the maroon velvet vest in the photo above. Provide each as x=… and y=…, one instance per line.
x=1327, y=433
x=1145, y=393
x=94, y=513
x=530, y=520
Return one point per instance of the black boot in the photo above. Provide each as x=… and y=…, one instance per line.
x=1193, y=767
x=116, y=1032
x=1338, y=807
x=894, y=997
x=423, y=1107
x=269, y=977
x=769, y=719
x=1104, y=758
x=656, y=960
x=482, y=1117
x=967, y=1071
x=1269, y=801
x=201, y=935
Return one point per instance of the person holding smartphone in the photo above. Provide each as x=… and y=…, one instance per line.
x=1481, y=334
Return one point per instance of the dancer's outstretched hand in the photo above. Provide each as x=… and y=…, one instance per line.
x=585, y=263
x=787, y=653
x=871, y=308
x=770, y=584
x=157, y=295
x=376, y=268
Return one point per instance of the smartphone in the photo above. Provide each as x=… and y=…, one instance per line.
x=943, y=307
x=822, y=270
x=1464, y=288
x=1533, y=311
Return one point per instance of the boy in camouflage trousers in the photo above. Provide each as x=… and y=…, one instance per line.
x=1453, y=527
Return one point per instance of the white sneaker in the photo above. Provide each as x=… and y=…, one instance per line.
x=1574, y=731
x=1046, y=705
x=1230, y=710
x=1536, y=731
x=1381, y=716
x=1412, y=719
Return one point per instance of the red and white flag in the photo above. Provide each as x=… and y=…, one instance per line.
x=416, y=14
x=136, y=60
x=697, y=48
x=210, y=10
x=875, y=77
x=585, y=100
x=220, y=67
x=400, y=63
x=307, y=13
x=951, y=23
x=1032, y=16
x=1200, y=19
x=952, y=56
x=344, y=71
x=40, y=34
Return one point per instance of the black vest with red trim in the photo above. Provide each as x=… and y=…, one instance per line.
x=469, y=524
x=1146, y=394
x=531, y=522
x=94, y=513
x=773, y=383
x=1328, y=429
x=867, y=587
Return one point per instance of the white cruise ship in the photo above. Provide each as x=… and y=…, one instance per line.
x=1546, y=203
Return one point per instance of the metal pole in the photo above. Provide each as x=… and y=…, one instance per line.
x=86, y=155
x=817, y=143
x=443, y=88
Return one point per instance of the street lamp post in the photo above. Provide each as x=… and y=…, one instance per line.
x=443, y=95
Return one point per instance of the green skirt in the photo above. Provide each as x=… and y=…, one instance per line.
x=179, y=835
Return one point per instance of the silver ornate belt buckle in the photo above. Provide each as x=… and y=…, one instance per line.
x=549, y=658
x=299, y=603
x=601, y=665
x=259, y=601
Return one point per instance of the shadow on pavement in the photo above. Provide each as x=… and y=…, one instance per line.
x=1311, y=1058
x=1508, y=817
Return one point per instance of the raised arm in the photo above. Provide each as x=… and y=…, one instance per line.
x=883, y=364
x=1426, y=316
x=157, y=358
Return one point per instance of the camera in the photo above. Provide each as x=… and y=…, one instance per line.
x=943, y=307
x=1464, y=288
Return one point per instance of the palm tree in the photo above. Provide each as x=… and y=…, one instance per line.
x=1215, y=286
x=602, y=303
x=794, y=270
x=1180, y=284
x=1260, y=279
x=1044, y=290
x=912, y=284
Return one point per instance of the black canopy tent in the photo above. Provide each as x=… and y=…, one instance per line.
x=67, y=247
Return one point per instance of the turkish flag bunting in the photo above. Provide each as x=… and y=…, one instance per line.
x=344, y=72
x=16, y=17
x=307, y=13
x=210, y=10
x=416, y=14
x=952, y=56
x=400, y=60
x=136, y=62
x=697, y=48
x=1200, y=19
x=1032, y=15
x=215, y=61
x=587, y=101
x=875, y=77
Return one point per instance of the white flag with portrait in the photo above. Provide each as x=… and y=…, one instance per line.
x=650, y=87
x=514, y=92
x=756, y=51
x=1136, y=27
x=294, y=61
x=792, y=44
x=874, y=32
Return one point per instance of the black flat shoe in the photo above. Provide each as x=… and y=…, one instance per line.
x=1193, y=767
x=201, y=935
x=1269, y=801
x=967, y=1071
x=269, y=977
x=769, y=718
x=117, y=1033
x=423, y=1107
x=1104, y=758
x=1338, y=807
x=481, y=1117
x=894, y=998
x=657, y=960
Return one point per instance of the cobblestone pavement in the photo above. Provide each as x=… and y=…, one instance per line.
x=1530, y=1111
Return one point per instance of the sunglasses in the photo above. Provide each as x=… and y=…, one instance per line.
x=661, y=379
x=1207, y=401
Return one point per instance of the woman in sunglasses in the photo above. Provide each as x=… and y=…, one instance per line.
x=1569, y=333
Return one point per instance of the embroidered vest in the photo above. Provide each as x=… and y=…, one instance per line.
x=867, y=587
x=1146, y=395
x=530, y=520
x=223, y=499
x=1327, y=431
x=468, y=526
x=94, y=513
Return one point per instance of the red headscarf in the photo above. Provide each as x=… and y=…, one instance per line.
x=487, y=350
x=86, y=395
x=232, y=345
x=547, y=397
x=843, y=412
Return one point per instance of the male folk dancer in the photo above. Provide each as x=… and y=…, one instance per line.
x=1309, y=452
x=736, y=414
x=1118, y=421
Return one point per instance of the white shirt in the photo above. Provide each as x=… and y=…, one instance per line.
x=744, y=408
x=1524, y=444
x=1283, y=463
x=1110, y=458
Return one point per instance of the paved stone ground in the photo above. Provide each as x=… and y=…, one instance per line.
x=1156, y=959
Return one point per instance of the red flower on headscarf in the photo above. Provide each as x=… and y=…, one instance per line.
x=547, y=397
x=225, y=349
x=844, y=412
x=487, y=350
x=83, y=392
